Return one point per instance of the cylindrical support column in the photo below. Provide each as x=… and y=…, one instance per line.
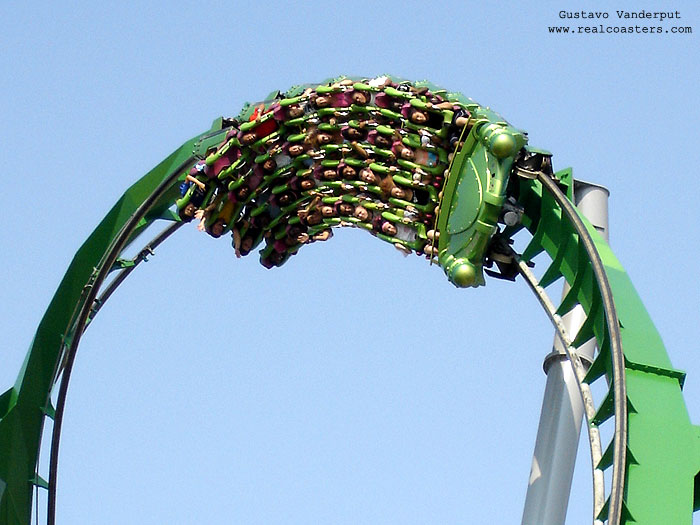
x=562, y=409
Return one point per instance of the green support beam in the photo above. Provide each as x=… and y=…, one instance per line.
x=23, y=406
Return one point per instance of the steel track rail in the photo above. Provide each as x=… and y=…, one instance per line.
x=113, y=285
x=124, y=273
x=618, y=385
x=579, y=373
x=91, y=290
x=147, y=250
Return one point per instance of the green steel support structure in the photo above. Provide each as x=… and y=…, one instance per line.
x=24, y=406
x=655, y=450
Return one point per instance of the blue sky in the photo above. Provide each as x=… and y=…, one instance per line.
x=351, y=385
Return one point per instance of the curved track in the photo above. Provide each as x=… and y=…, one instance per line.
x=653, y=453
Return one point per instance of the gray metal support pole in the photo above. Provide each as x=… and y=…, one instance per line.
x=562, y=409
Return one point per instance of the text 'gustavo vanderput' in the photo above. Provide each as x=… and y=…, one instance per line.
x=623, y=15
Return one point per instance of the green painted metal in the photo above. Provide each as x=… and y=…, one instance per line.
x=662, y=446
x=474, y=194
x=22, y=408
x=655, y=453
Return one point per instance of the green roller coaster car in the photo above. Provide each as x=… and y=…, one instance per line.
x=473, y=196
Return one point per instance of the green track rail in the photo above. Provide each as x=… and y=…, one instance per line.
x=654, y=452
x=25, y=406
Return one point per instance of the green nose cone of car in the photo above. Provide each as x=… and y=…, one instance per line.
x=463, y=274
